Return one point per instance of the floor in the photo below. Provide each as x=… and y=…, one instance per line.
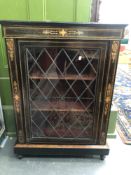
x=117, y=162
x=125, y=67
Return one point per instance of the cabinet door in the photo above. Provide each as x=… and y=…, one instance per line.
x=62, y=84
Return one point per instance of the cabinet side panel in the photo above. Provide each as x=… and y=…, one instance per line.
x=108, y=87
x=11, y=51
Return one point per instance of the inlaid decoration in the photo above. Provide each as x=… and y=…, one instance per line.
x=108, y=98
x=16, y=96
x=10, y=48
x=62, y=32
x=115, y=47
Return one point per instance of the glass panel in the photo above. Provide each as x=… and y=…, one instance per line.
x=62, y=91
x=61, y=124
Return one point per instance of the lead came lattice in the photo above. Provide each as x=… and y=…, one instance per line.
x=62, y=91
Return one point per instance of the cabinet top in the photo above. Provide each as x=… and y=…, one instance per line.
x=43, y=23
x=59, y=30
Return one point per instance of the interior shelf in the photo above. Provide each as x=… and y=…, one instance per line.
x=66, y=77
x=58, y=105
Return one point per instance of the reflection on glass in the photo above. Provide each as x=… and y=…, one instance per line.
x=62, y=91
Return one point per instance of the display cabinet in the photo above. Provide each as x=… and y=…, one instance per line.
x=62, y=77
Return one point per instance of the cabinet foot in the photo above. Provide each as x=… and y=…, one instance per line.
x=19, y=156
x=102, y=157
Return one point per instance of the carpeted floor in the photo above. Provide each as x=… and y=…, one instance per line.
x=122, y=98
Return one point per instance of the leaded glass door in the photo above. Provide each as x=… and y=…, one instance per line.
x=62, y=83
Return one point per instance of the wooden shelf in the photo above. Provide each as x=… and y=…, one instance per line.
x=58, y=106
x=66, y=77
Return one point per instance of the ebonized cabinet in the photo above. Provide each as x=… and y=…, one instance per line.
x=62, y=77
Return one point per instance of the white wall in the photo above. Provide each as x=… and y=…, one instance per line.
x=116, y=11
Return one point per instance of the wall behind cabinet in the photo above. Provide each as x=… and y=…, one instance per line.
x=34, y=10
x=60, y=10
